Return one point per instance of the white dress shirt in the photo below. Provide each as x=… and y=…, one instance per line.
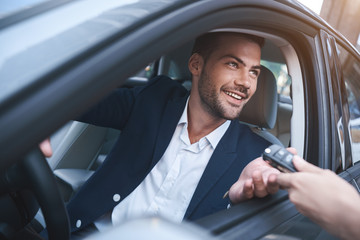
x=168, y=188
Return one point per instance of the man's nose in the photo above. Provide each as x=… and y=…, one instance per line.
x=243, y=79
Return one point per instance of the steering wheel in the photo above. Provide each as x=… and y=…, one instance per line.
x=34, y=173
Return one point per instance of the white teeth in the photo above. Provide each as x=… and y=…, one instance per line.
x=233, y=95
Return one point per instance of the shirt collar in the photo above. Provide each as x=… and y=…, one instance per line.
x=213, y=137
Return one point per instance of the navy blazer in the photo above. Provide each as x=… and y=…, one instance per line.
x=147, y=117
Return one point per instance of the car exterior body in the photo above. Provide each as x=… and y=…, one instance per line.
x=58, y=59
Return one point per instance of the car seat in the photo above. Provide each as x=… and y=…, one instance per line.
x=261, y=111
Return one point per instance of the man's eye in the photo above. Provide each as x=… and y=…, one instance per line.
x=254, y=73
x=233, y=64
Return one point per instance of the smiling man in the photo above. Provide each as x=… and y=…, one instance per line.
x=178, y=153
x=224, y=79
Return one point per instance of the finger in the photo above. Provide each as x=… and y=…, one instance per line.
x=241, y=191
x=45, y=147
x=259, y=185
x=248, y=191
x=284, y=180
x=303, y=166
x=292, y=150
x=272, y=186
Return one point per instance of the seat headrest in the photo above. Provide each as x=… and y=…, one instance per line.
x=261, y=109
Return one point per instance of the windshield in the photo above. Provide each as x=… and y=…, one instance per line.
x=31, y=48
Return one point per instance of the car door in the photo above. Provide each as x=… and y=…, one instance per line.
x=89, y=75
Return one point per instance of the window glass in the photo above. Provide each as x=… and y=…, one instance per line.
x=351, y=74
x=281, y=75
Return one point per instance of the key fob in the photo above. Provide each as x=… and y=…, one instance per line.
x=280, y=158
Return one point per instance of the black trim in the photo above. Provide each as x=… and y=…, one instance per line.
x=222, y=221
x=251, y=219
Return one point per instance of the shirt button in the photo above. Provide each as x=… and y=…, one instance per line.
x=116, y=197
x=78, y=223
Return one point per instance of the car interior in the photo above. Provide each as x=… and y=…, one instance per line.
x=79, y=148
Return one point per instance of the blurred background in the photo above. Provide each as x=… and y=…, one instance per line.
x=343, y=15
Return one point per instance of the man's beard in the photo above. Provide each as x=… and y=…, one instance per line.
x=210, y=99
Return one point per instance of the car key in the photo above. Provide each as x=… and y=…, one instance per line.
x=280, y=158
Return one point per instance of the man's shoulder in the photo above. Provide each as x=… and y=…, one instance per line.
x=165, y=81
x=164, y=85
x=162, y=78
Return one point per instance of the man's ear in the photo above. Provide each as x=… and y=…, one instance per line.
x=195, y=64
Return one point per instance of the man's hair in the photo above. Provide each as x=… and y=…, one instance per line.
x=206, y=43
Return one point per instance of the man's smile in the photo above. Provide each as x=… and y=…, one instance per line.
x=234, y=95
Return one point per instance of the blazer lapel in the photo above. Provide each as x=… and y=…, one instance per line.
x=222, y=158
x=173, y=111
